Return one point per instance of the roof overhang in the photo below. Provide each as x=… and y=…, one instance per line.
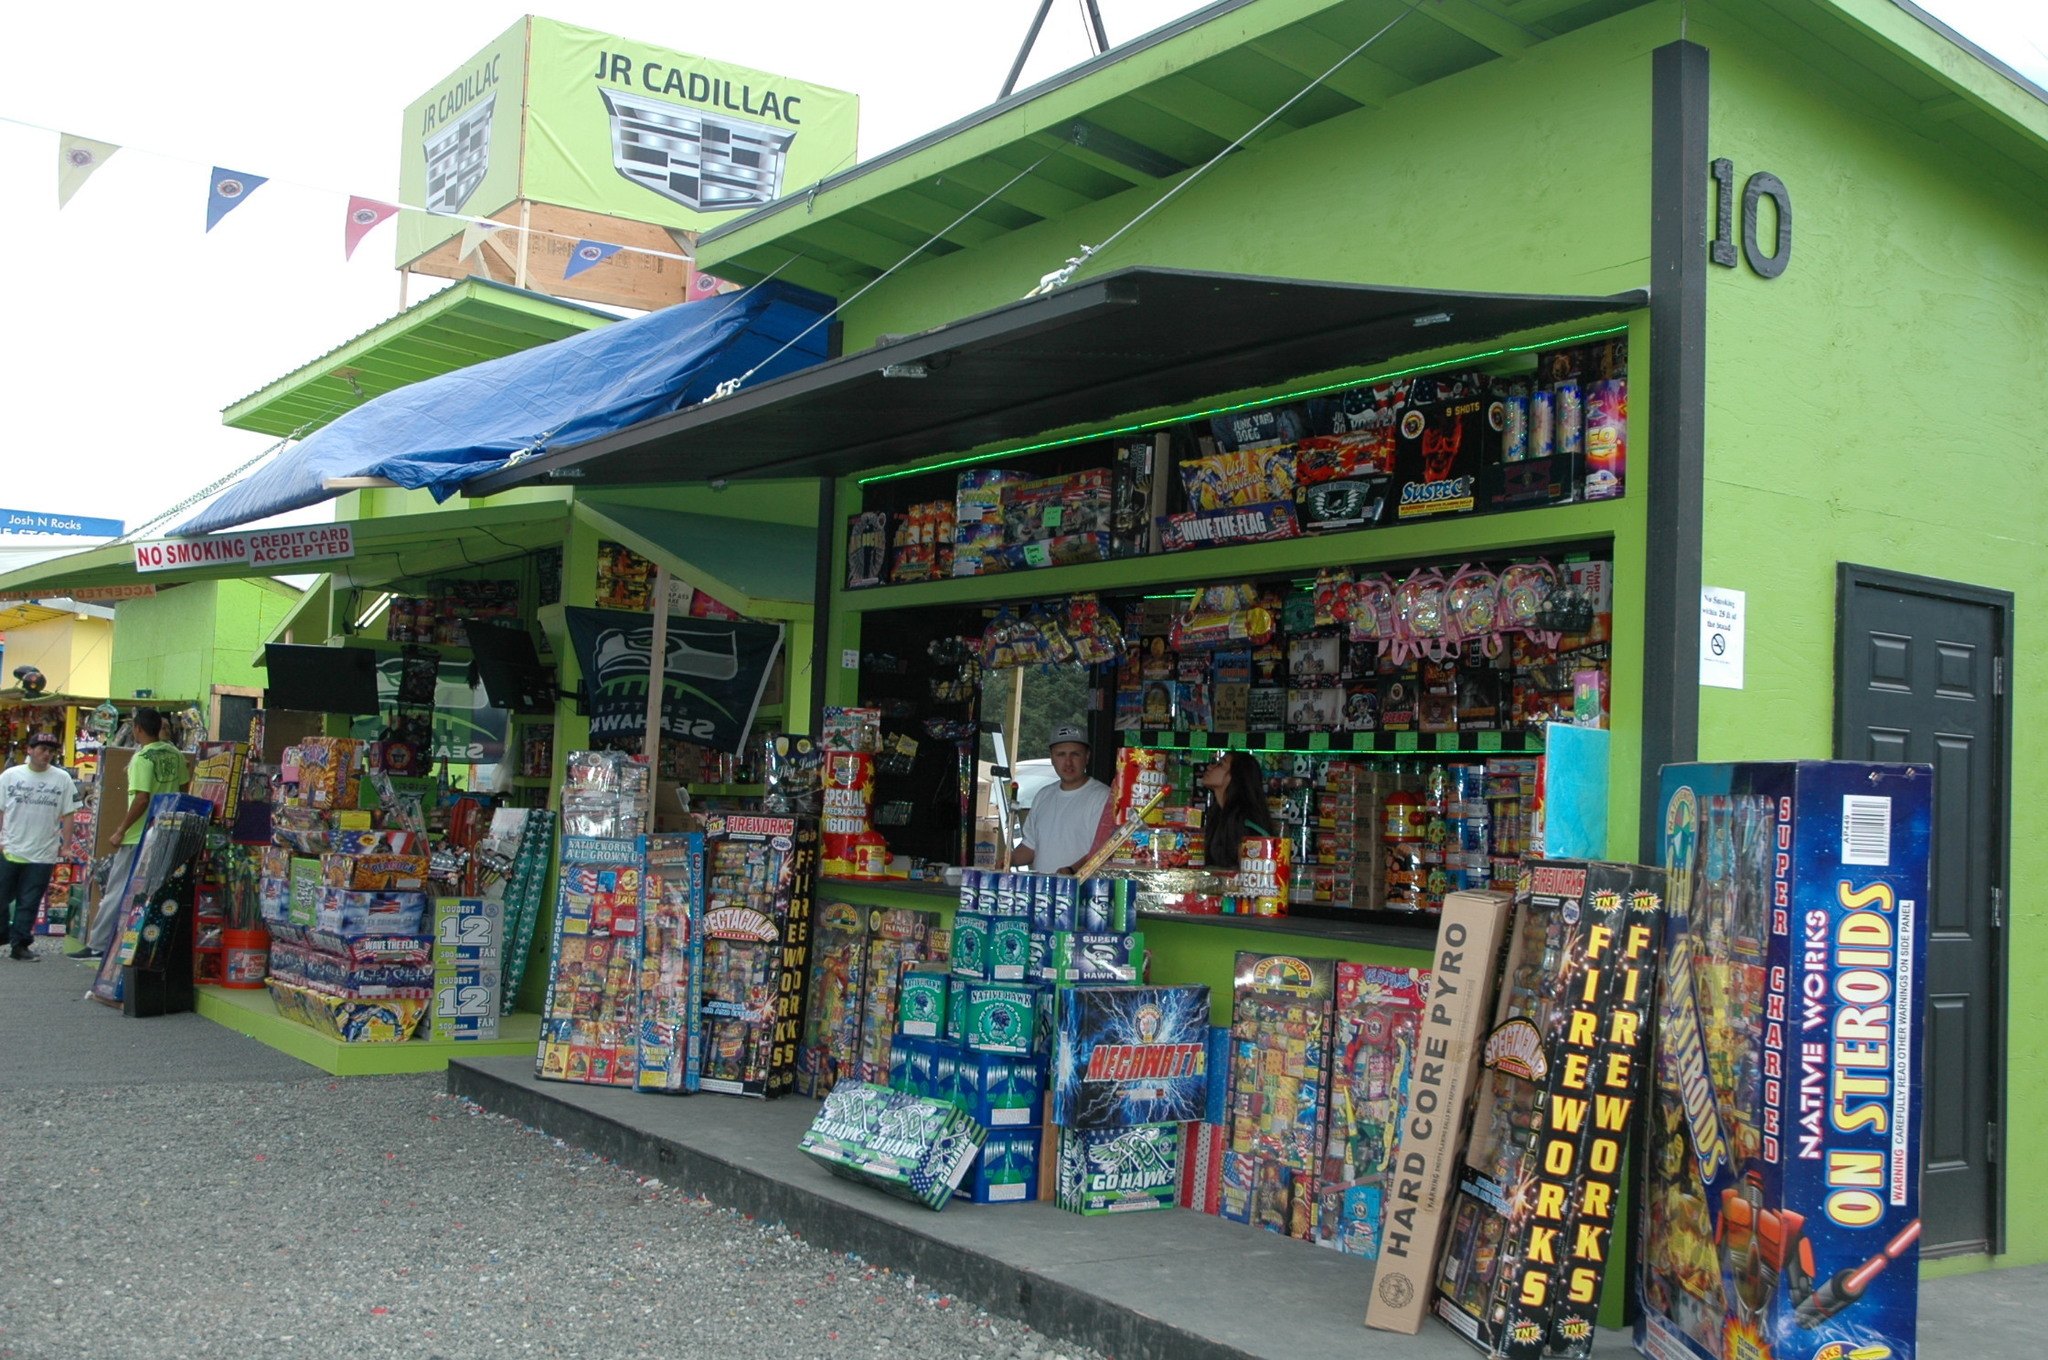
x=468, y=323
x=1087, y=354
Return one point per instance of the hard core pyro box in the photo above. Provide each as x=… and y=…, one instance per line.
x=1534, y=1226
x=1423, y=1174
x=1781, y=1217
x=757, y=930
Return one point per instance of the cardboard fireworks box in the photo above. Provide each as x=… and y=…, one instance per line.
x=832, y=1019
x=897, y=939
x=1279, y=1075
x=671, y=963
x=1372, y=1059
x=1781, y=1215
x=921, y=1003
x=1006, y=1169
x=1439, y=445
x=1002, y=1017
x=999, y=1090
x=1420, y=1183
x=1533, y=1226
x=1118, y=1170
x=757, y=928
x=1130, y=1055
x=903, y=1145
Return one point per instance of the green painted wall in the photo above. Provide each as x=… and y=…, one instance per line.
x=182, y=641
x=1878, y=404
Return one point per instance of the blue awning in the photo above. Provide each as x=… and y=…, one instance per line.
x=443, y=431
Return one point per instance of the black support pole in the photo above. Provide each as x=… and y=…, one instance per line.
x=1679, y=177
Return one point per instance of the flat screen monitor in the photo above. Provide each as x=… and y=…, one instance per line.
x=510, y=669
x=320, y=679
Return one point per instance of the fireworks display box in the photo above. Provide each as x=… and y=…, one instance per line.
x=757, y=929
x=1125, y=1056
x=1441, y=439
x=671, y=963
x=903, y=1145
x=1003, y=1017
x=1780, y=1216
x=1075, y=956
x=857, y=954
x=1534, y=1226
x=998, y=1090
x=590, y=1020
x=1372, y=1060
x=921, y=1002
x=1118, y=1170
x=1005, y=1171
x=1279, y=1081
x=1418, y=1185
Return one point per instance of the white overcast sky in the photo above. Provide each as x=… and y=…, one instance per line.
x=127, y=327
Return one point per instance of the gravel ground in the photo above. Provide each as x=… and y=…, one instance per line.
x=379, y=1217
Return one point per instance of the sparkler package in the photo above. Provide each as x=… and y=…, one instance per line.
x=1781, y=1212
x=1534, y=1225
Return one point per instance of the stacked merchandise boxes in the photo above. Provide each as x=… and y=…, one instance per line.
x=346, y=903
x=1533, y=1225
x=1343, y=864
x=1778, y=1223
x=757, y=929
x=1130, y=1068
x=1279, y=1082
x=1372, y=1061
x=858, y=957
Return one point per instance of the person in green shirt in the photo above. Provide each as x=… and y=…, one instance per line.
x=158, y=767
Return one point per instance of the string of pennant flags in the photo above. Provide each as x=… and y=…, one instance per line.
x=79, y=158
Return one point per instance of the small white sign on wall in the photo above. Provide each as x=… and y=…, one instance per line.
x=1721, y=622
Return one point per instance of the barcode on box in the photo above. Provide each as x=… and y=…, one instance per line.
x=1866, y=830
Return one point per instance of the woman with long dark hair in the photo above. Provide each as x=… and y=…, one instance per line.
x=1237, y=807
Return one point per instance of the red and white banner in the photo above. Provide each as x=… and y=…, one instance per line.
x=80, y=594
x=268, y=549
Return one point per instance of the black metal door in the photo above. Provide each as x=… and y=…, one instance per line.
x=1921, y=676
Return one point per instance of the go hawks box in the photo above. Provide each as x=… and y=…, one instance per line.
x=901, y=1144
x=1782, y=1214
x=1130, y=1055
x=1119, y=1171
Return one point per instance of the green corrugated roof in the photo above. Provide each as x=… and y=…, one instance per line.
x=465, y=324
x=1143, y=113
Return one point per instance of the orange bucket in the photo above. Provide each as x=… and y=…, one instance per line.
x=245, y=957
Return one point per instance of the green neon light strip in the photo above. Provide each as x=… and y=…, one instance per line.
x=1143, y=426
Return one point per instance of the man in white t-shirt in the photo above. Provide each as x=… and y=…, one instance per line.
x=35, y=797
x=1061, y=829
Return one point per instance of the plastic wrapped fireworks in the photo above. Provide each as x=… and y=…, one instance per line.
x=604, y=794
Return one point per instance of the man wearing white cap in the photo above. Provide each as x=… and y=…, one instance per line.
x=35, y=797
x=1061, y=829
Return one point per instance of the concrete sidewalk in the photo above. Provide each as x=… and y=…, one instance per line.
x=1177, y=1286
x=55, y=1037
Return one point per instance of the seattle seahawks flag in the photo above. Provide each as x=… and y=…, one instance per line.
x=717, y=669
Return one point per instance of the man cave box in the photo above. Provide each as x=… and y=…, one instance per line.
x=1130, y=1055
x=902, y=1145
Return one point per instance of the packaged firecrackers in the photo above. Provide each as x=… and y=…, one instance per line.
x=1534, y=1223
x=1782, y=1212
x=1372, y=1058
x=1279, y=1075
x=757, y=920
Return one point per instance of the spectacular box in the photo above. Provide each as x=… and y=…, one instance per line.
x=1130, y=1055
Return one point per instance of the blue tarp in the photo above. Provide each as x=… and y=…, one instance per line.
x=440, y=432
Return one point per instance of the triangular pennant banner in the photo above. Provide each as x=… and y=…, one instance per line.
x=586, y=254
x=363, y=214
x=227, y=191
x=77, y=158
x=475, y=234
